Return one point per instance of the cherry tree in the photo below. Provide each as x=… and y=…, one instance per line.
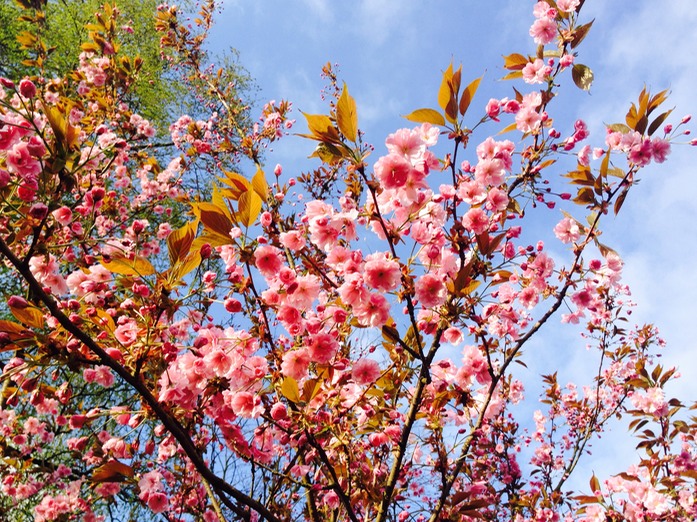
x=347, y=344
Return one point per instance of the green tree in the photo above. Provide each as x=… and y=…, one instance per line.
x=159, y=92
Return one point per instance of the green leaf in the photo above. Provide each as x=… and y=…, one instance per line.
x=179, y=242
x=347, y=116
x=468, y=94
x=515, y=62
x=290, y=390
x=426, y=116
x=580, y=33
x=214, y=218
x=655, y=124
x=322, y=128
x=249, y=208
x=582, y=76
x=138, y=266
x=259, y=184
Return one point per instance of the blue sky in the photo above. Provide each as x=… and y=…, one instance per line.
x=391, y=54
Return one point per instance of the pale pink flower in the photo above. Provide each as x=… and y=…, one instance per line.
x=430, y=290
x=652, y=401
x=127, y=331
x=490, y=171
x=567, y=230
x=295, y=363
x=381, y=273
x=527, y=119
x=660, y=149
x=392, y=171
x=475, y=220
x=536, y=72
x=365, y=371
x=567, y=6
x=246, y=404
x=543, y=31
x=45, y=269
x=323, y=348
x=268, y=260
x=405, y=143
x=292, y=240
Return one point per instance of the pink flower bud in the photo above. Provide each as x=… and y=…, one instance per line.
x=18, y=302
x=38, y=211
x=27, y=88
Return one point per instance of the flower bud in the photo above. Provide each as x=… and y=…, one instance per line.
x=27, y=88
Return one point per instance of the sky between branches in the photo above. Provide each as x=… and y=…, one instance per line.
x=391, y=54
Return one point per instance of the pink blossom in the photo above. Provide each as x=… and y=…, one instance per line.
x=20, y=161
x=493, y=108
x=543, y=31
x=660, y=149
x=652, y=401
x=567, y=230
x=374, y=311
x=365, y=371
x=405, y=143
x=246, y=404
x=99, y=374
x=381, y=273
x=158, y=502
x=536, y=72
x=453, y=335
x=295, y=363
x=497, y=200
x=392, y=171
x=430, y=290
x=292, y=240
x=63, y=215
x=127, y=331
x=268, y=260
x=567, y=6
x=322, y=348
x=490, y=171
x=528, y=119
x=475, y=220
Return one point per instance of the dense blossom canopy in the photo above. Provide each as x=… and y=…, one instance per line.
x=340, y=346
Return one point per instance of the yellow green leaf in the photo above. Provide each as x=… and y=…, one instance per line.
x=289, y=389
x=249, y=208
x=29, y=315
x=213, y=218
x=582, y=76
x=322, y=128
x=237, y=183
x=515, y=62
x=468, y=94
x=179, y=241
x=260, y=185
x=658, y=122
x=185, y=265
x=426, y=116
x=580, y=33
x=138, y=266
x=347, y=116
x=508, y=128
x=444, y=92
x=112, y=471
